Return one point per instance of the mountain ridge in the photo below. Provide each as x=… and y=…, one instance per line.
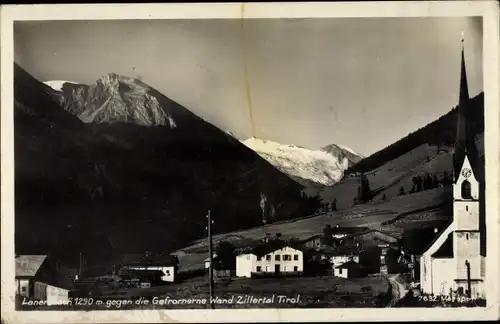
x=101, y=187
x=322, y=167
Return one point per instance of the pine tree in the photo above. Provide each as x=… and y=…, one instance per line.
x=419, y=184
x=435, y=182
x=334, y=204
x=427, y=182
x=364, y=192
x=327, y=235
x=445, y=178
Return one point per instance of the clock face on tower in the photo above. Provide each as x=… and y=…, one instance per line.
x=466, y=172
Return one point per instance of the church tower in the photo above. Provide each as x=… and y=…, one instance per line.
x=466, y=237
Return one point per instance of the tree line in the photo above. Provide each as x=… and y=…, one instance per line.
x=439, y=132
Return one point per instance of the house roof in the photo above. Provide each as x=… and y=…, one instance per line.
x=340, y=250
x=349, y=265
x=312, y=237
x=348, y=230
x=140, y=273
x=368, y=231
x=149, y=259
x=417, y=241
x=28, y=265
x=271, y=246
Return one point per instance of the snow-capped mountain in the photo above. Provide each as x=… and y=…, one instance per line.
x=324, y=167
x=58, y=84
x=113, y=98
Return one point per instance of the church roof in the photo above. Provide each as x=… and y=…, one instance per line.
x=446, y=249
x=465, y=138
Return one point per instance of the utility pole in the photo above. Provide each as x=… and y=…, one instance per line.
x=210, y=259
x=80, y=267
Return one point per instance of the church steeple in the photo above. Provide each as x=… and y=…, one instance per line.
x=464, y=141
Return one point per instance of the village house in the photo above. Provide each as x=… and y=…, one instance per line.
x=37, y=279
x=166, y=264
x=349, y=269
x=344, y=254
x=455, y=262
x=141, y=278
x=313, y=242
x=221, y=272
x=275, y=257
x=339, y=232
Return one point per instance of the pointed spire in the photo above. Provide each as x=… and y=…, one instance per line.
x=464, y=87
x=462, y=125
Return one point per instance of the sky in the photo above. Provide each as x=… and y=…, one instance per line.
x=359, y=82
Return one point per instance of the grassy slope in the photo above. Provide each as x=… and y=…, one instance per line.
x=371, y=215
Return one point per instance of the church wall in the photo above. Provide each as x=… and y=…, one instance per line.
x=442, y=273
x=425, y=274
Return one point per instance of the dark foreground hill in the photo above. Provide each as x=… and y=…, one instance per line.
x=112, y=185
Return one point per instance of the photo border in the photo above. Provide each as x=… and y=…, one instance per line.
x=489, y=10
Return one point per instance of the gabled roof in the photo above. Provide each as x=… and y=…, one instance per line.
x=274, y=245
x=445, y=251
x=149, y=259
x=140, y=273
x=28, y=265
x=348, y=230
x=350, y=265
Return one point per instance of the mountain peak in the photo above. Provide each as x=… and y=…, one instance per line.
x=115, y=98
x=304, y=165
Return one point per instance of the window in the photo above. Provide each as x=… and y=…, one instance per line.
x=466, y=208
x=467, y=236
x=168, y=272
x=268, y=257
x=248, y=257
x=277, y=257
x=296, y=257
x=295, y=269
x=23, y=289
x=287, y=257
x=466, y=190
x=259, y=269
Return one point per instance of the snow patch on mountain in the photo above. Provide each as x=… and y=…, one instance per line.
x=317, y=166
x=113, y=98
x=349, y=150
x=57, y=84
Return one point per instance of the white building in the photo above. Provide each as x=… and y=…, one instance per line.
x=36, y=279
x=54, y=295
x=350, y=269
x=339, y=259
x=455, y=261
x=275, y=257
x=167, y=264
x=28, y=270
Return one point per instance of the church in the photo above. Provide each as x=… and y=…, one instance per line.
x=455, y=261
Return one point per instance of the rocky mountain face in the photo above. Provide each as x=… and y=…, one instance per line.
x=323, y=167
x=341, y=153
x=113, y=98
x=90, y=176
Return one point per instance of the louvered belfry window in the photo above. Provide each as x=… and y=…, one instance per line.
x=466, y=190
